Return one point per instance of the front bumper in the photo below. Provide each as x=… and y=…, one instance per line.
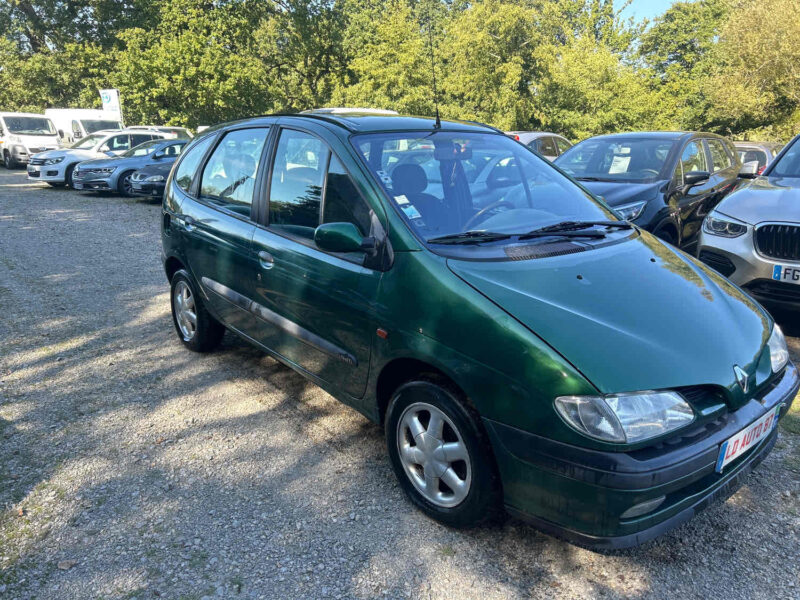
x=47, y=173
x=148, y=188
x=738, y=260
x=95, y=184
x=581, y=494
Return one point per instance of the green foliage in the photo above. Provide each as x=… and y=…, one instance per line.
x=572, y=66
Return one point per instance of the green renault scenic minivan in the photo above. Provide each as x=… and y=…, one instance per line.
x=523, y=348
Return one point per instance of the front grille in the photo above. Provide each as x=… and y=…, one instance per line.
x=779, y=241
x=36, y=161
x=776, y=291
x=719, y=263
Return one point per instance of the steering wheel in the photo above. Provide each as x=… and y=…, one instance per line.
x=497, y=204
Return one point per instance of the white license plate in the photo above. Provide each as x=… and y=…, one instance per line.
x=788, y=274
x=746, y=438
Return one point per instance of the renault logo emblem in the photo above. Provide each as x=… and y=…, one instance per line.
x=741, y=378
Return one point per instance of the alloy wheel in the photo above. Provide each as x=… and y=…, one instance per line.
x=434, y=455
x=127, y=186
x=185, y=310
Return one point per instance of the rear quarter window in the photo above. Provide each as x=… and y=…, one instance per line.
x=187, y=168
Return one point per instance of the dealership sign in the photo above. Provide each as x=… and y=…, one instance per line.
x=111, y=104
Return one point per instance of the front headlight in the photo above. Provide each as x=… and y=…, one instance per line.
x=717, y=224
x=53, y=161
x=106, y=170
x=629, y=212
x=625, y=418
x=778, y=352
x=155, y=178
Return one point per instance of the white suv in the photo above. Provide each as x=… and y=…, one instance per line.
x=24, y=134
x=56, y=166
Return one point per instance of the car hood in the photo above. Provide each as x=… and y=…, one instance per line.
x=98, y=163
x=617, y=194
x=77, y=154
x=37, y=141
x=160, y=168
x=764, y=199
x=635, y=315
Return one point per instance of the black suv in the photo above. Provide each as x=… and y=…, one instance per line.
x=665, y=181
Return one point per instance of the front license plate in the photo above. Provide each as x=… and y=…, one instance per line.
x=788, y=274
x=746, y=438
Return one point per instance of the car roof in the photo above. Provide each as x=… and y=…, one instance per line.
x=534, y=134
x=23, y=114
x=361, y=122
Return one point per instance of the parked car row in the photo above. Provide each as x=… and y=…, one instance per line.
x=108, y=161
x=523, y=345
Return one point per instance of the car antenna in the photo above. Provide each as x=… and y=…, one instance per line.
x=438, y=124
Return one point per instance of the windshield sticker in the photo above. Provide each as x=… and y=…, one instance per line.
x=411, y=211
x=620, y=164
x=401, y=200
x=387, y=181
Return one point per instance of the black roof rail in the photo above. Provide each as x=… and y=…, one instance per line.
x=316, y=117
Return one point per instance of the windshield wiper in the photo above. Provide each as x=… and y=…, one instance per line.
x=588, y=178
x=469, y=237
x=575, y=229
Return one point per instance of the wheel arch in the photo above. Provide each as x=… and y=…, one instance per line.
x=399, y=370
x=172, y=265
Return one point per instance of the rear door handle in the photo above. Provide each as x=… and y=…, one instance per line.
x=266, y=259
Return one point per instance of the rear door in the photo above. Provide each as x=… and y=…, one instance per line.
x=315, y=308
x=724, y=171
x=218, y=225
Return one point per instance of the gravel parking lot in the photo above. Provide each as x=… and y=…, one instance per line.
x=132, y=468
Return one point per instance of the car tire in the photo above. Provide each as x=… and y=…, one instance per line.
x=68, y=176
x=450, y=472
x=8, y=162
x=55, y=184
x=124, y=186
x=196, y=328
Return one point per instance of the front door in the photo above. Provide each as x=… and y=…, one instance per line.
x=692, y=201
x=315, y=308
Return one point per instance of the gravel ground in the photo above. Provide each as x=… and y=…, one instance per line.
x=132, y=468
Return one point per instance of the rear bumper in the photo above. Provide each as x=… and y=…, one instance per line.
x=581, y=494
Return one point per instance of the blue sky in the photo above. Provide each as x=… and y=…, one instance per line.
x=645, y=9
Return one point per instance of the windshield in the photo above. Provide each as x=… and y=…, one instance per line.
x=88, y=142
x=787, y=165
x=143, y=149
x=445, y=183
x=631, y=160
x=92, y=125
x=29, y=125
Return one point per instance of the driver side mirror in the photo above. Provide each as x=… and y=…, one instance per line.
x=159, y=155
x=749, y=170
x=341, y=237
x=694, y=177
x=61, y=133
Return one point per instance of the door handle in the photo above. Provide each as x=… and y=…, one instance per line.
x=266, y=259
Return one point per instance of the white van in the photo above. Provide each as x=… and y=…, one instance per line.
x=74, y=124
x=24, y=134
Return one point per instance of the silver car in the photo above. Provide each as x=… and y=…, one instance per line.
x=761, y=152
x=753, y=235
x=549, y=145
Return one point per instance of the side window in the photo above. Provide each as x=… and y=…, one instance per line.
x=229, y=175
x=547, y=146
x=296, y=188
x=563, y=145
x=173, y=149
x=137, y=139
x=693, y=158
x=184, y=175
x=343, y=203
x=118, y=143
x=719, y=156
